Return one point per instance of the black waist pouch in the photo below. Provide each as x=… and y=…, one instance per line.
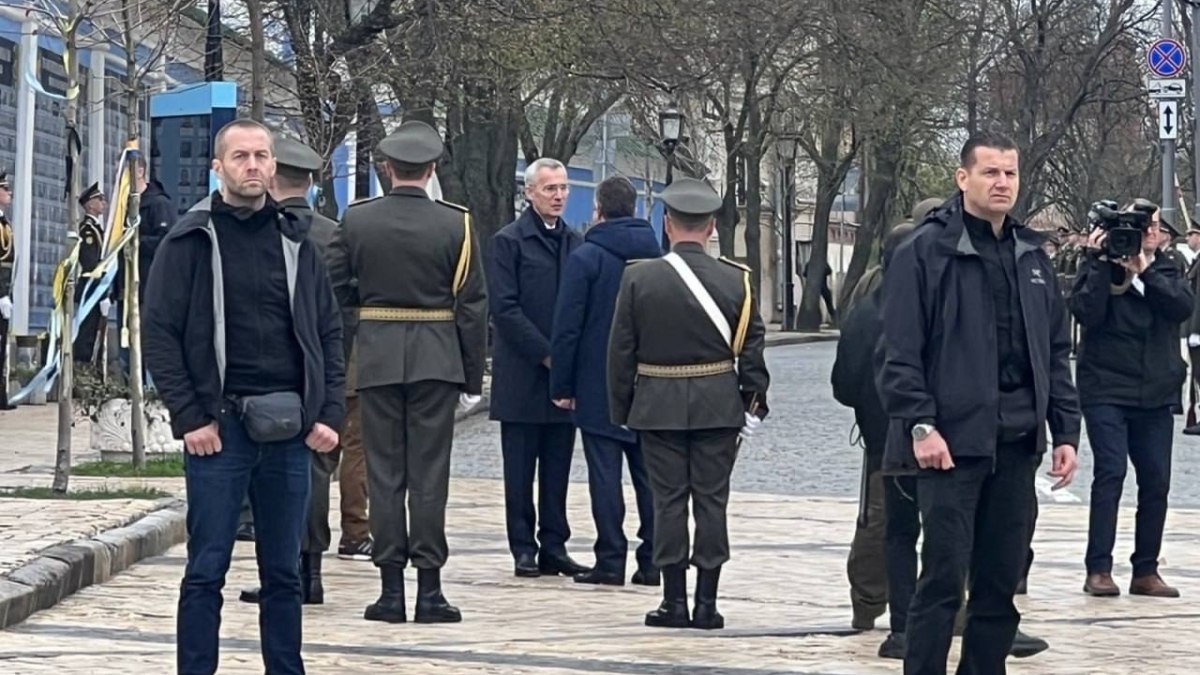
x=271, y=418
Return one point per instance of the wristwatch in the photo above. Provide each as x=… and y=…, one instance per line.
x=922, y=431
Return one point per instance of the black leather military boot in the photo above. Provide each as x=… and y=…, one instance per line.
x=390, y=605
x=705, y=615
x=673, y=612
x=312, y=591
x=431, y=604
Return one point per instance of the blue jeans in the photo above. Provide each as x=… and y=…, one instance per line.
x=1120, y=435
x=277, y=477
x=604, y=460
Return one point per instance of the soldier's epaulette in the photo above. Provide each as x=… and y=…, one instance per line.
x=452, y=205
x=735, y=263
x=365, y=200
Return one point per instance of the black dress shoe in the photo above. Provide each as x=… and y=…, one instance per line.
x=673, y=611
x=390, y=605
x=250, y=595
x=894, y=647
x=431, y=604
x=560, y=563
x=599, y=577
x=646, y=576
x=1024, y=646
x=1193, y=430
x=245, y=532
x=526, y=566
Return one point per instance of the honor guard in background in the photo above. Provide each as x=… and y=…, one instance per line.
x=686, y=371
x=295, y=167
x=91, y=248
x=408, y=269
x=8, y=254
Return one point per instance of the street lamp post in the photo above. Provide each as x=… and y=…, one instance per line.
x=787, y=155
x=670, y=131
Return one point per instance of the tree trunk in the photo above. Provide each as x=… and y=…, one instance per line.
x=727, y=216
x=808, y=319
x=133, y=280
x=753, y=232
x=66, y=384
x=258, y=60
x=214, y=57
x=881, y=181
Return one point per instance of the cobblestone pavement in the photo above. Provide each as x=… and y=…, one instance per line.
x=804, y=447
x=784, y=596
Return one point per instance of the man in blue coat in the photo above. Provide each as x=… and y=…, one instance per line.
x=579, y=352
x=525, y=269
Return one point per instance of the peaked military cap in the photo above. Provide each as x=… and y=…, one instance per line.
x=413, y=143
x=4, y=181
x=924, y=208
x=292, y=153
x=1193, y=228
x=691, y=197
x=93, y=191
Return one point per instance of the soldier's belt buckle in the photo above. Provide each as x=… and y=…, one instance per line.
x=406, y=314
x=683, y=372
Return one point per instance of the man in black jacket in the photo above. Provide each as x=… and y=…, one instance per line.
x=975, y=363
x=244, y=340
x=1130, y=373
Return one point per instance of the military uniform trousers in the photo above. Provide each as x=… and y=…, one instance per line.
x=84, y=348
x=690, y=466
x=3, y=362
x=408, y=430
x=316, y=529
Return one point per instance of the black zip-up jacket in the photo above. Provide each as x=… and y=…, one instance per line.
x=1129, y=350
x=939, y=353
x=184, y=350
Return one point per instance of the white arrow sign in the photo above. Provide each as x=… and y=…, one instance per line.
x=1174, y=88
x=1168, y=120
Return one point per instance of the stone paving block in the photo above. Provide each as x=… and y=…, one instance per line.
x=49, y=579
x=16, y=602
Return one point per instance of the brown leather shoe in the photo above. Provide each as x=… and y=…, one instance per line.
x=1152, y=586
x=1101, y=586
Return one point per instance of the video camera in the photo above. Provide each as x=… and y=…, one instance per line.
x=1125, y=228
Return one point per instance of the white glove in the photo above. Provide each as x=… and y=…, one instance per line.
x=1194, y=340
x=105, y=305
x=752, y=425
x=6, y=307
x=468, y=401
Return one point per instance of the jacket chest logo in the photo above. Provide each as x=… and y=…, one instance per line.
x=1037, y=277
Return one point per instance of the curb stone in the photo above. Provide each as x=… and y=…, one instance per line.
x=63, y=570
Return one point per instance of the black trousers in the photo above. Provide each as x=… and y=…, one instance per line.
x=695, y=466
x=84, y=348
x=900, y=543
x=605, y=457
x=976, y=521
x=316, y=532
x=543, y=450
x=408, y=430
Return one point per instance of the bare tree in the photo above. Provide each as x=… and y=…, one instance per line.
x=258, y=59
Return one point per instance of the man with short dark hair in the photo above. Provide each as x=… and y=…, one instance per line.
x=976, y=355
x=686, y=371
x=244, y=340
x=578, y=348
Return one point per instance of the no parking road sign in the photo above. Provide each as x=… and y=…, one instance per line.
x=1166, y=58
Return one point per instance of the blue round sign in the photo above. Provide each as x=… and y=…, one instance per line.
x=1166, y=58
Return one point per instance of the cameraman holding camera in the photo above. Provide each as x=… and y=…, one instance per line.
x=1130, y=300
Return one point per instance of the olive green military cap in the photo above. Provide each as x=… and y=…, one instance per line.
x=413, y=143
x=923, y=208
x=691, y=197
x=292, y=153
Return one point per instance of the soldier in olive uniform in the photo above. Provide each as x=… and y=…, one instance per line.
x=408, y=268
x=686, y=371
x=91, y=248
x=7, y=256
x=295, y=166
